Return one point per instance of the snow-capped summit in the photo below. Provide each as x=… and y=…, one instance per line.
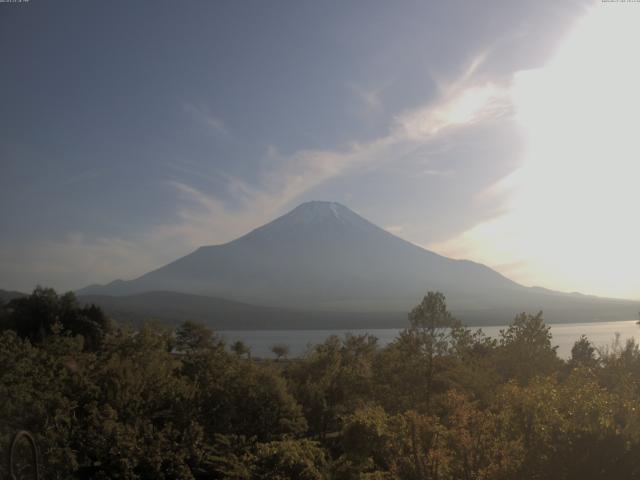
x=317, y=211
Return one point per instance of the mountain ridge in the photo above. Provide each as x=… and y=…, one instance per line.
x=317, y=243
x=322, y=256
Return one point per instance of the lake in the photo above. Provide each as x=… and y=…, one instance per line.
x=564, y=336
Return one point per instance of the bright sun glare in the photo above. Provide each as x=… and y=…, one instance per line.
x=574, y=220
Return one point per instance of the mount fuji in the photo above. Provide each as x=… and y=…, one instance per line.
x=322, y=256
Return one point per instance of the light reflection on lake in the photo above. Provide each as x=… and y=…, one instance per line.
x=564, y=335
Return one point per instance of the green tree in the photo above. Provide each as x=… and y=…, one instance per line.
x=139, y=423
x=236, y=397
x=280, y=350
x=334, y=379
x=525, y=349
x=192, y=336
x=583, y=353
x=42, y=388
x=3, y=315
x=289, y=460
x=414, y=365
x=240, y=348
x=620, y=365
x=367, y=443
x=479, y=441
x=44, y=313
x=474, y=365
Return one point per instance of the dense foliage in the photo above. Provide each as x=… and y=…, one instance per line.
x=440, y=402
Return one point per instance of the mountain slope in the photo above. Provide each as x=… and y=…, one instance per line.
x=323, y=256
x=320, y=255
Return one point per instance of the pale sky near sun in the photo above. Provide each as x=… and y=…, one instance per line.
x=573, y=215
x=502, y=132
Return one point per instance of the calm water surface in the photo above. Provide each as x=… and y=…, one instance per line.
x=564, y=335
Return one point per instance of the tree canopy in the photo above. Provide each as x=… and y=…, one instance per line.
x=440, y=402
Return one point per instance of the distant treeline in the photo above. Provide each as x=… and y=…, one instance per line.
x=441, y=402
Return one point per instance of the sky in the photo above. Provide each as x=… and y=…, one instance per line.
x=503, y=132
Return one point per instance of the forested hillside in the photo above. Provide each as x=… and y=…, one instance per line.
x=441, y=402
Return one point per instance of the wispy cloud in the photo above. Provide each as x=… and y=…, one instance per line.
x=369, y=99
x=464, y=102
x=438, y=173
x=80, y=177
x=203, y=115
x=395, y=229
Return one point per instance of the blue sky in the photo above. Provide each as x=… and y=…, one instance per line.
x=133, y=132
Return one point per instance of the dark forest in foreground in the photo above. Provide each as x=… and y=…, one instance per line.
x=441, y=402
